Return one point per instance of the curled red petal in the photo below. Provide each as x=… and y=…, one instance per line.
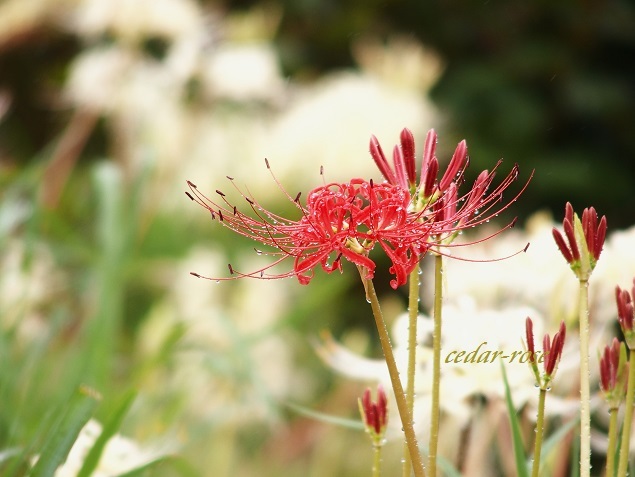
x=380, y=159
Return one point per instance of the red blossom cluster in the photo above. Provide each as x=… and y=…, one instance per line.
x=347, y=220
x=614, y=373
x=625, y=314
x=591, y=236
x=374, y=414
x=552, y=351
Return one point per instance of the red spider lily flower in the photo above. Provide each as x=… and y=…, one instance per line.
x=339, y=221
x=584, y=242
x=374, y=414
x=552, y=352
x=614, y=373
x=625, y=314
x=348, y=220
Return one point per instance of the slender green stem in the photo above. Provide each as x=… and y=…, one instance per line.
x=610, y=453
x=376, y=460
x=436, y=364
x=628, y=416
x=393, y=371
x=413, y=314
x=540, y=423
x=585, y=398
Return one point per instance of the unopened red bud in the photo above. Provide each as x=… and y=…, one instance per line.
x=408, y=149
x=400, y=167
x=428, y=155
x=562, y=246
x=378, y=156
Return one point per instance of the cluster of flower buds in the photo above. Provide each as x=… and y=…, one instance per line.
x=374, y=414
x=584, y=242
x=439, y=199
x=404, y=172
x=552, y=352
x=614, y=373
x=625, y=314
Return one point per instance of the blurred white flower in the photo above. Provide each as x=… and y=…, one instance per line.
x=400, y=61
x=229, y=364
x=133, y=20
x=29, y=281
x=244, y=72
x=329, y=124
x=120, y=455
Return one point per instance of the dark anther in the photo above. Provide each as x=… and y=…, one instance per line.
x=195, y=274
x=297, y=197
x=321, y=170
x=191, y=184
x=189, y=195
x=220, y=215
x=249, y=200
x=230, y=178
x=235, y=210
x=267, y=163
x=231, y=270
x=220, y=193
x=526, y=247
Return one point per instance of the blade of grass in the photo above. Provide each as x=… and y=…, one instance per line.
x=179, y=464
x=445, y=465
x=550, y=444
x=64, y=432
x=575, y=457
x=110, y=429
x=517, y=439
x=319, y=416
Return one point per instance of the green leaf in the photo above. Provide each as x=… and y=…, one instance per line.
x=109, y=430
x=63, y=434
x=319, y=416
x=574, y=463
x=445, y=465
x=554, y=439
x=177, y=463
x=519, y=447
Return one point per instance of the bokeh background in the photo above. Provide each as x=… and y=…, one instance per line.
x=107, y=107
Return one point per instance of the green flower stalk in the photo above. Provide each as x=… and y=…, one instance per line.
x=395, y=380
x=625, y=317
x=613, y=378
x=375, y=417
x=413, y=314
x=552, y=351
x=581, y=249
